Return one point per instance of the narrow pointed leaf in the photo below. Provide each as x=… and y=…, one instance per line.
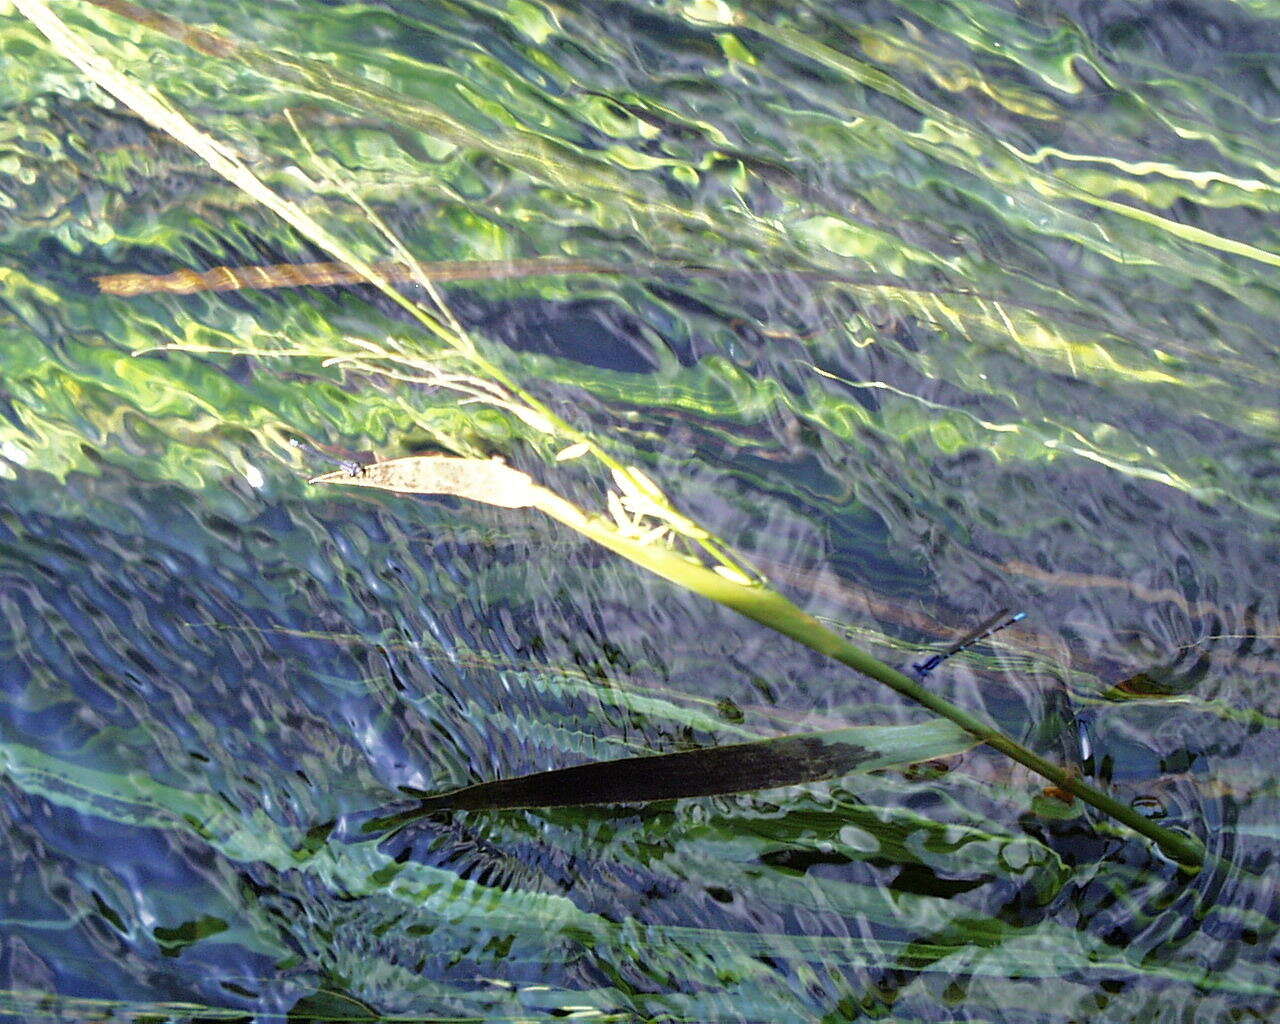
x=732, y=768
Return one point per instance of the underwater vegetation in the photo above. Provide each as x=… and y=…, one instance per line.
x=848, y=327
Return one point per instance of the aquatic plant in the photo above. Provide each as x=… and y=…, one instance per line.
x=883, y=350
x=638, y=521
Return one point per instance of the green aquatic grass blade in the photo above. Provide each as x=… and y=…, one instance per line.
x=712, y=771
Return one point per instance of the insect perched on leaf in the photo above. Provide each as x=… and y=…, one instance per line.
x=351, y=463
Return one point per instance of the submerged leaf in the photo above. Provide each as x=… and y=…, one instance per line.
x=329, y=1004
x=733, y=768
x=1176, y=678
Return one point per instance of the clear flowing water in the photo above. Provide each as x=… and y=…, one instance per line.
x=926, y=309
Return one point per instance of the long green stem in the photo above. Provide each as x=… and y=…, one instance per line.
x=771, y=609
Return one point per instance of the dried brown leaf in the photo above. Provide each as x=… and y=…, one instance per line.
x=490, y=481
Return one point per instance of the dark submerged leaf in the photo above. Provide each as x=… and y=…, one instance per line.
x=733, y=768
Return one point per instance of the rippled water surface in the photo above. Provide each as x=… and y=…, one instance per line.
x=925, y=309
